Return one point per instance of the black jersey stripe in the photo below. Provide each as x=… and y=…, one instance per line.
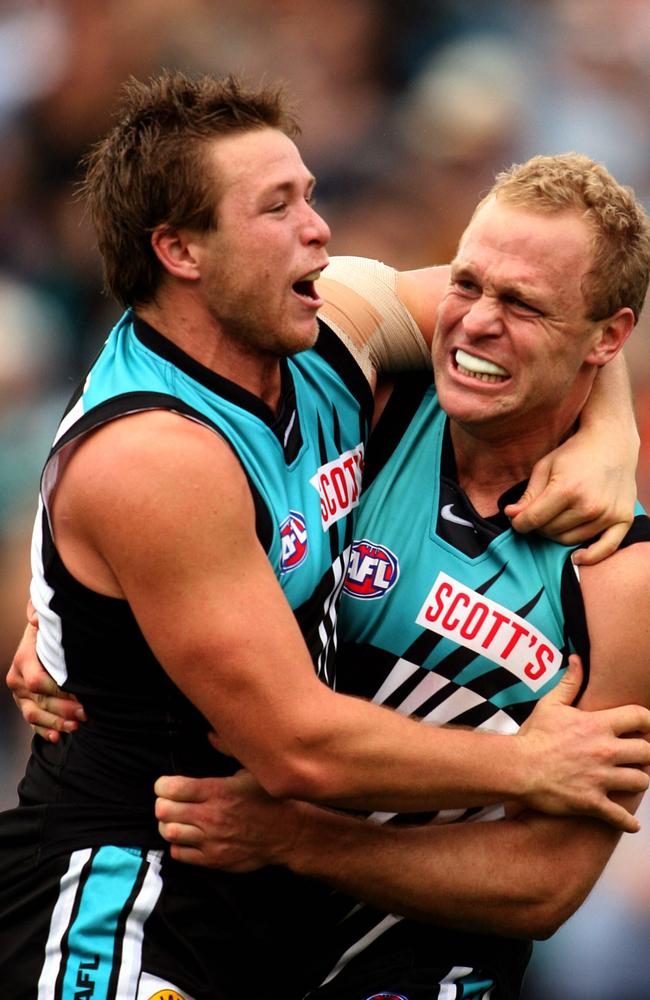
x=332, y=349
x=397, y=415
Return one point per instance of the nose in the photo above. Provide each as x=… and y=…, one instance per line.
x=483, y=318
x=315, y=230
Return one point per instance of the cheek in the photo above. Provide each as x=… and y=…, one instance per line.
x=450, y=314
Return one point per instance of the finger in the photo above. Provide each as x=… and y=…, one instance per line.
x=170, y=811
x=183, y=789
x=583, y=531
x=30, y=680
x=51, y=735
x=42, y=719
x=632, y=753
x=566, y=691
x=604, y=546
x=574, y=525
x=188, y=856
x=616, y=815
x=628, y=779
x=62, y=707
x=32, y=617
x=180, y=833
x=531, y=514
x=627, y=719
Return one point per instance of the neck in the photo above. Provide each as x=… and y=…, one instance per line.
x=194, y=330
x=489, y=462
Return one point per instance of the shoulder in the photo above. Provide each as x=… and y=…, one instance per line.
x=156, y=453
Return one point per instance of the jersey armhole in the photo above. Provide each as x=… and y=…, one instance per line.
x=135, y=402
x=331, y=349
x=573, y=605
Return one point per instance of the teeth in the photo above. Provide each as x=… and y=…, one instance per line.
x=312, y=276
x=485, y=371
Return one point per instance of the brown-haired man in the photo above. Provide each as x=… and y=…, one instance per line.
x=547, y=283
x=202, y=486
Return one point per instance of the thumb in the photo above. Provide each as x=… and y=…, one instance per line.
x=566, y=692
x=537, y=483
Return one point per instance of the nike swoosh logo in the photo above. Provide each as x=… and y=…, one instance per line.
x=449, y=515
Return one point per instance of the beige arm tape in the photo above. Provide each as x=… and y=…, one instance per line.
x=364, y=310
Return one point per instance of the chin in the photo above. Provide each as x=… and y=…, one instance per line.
x=304, y=338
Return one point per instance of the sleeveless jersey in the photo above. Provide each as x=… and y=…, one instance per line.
x=304, y=469
x=454, y=618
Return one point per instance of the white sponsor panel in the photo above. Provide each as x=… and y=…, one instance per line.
x=490, y=629
x=339, y=485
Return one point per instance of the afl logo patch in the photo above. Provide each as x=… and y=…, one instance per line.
x=373, y=570
x=293, y=539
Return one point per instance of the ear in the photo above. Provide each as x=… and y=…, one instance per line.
x=176, y=251
x=611, y=334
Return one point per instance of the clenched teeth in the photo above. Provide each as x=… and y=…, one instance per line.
x=480, y=368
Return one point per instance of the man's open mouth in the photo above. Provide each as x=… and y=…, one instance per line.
x=305, y=287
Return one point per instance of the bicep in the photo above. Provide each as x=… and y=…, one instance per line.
x=422, y=291
x=175, y=524
x=616, y=595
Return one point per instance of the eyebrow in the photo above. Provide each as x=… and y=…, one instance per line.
x=513, y=290
x=286, y=186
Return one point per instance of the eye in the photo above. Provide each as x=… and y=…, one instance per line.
x=520, y=306
x=311, y=199
x=278, y=208
x=466, y=285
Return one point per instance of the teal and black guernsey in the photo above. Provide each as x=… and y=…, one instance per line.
x=454, y=618
x=303, y=466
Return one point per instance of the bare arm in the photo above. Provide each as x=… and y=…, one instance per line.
x=520, y=877
x=124, y=511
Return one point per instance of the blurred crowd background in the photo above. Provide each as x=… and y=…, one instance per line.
x=408, y=108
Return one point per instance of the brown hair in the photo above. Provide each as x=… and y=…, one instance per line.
x=150, y=168
x=620, y=269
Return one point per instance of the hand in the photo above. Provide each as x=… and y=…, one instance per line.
x=572, y=501
x=40, y=700
x=227, y=823
x=577, y=758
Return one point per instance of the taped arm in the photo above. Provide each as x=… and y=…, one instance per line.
x=366, y=308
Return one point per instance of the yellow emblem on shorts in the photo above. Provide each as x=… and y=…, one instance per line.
x=166, y=995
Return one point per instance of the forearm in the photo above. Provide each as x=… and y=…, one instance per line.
x=370, y=758
x=610, y=406
x=515, y=877
x=342, y=751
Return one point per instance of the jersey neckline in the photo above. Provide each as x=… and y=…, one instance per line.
x=285, y=424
